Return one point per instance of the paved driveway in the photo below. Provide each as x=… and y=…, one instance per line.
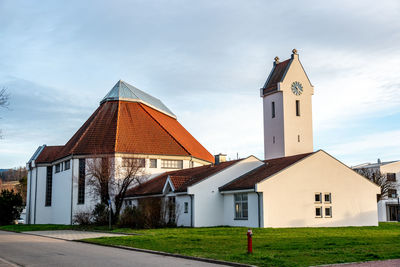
x=71, y=234
x=32, y=250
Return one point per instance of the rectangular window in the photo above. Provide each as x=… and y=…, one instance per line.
x=298, y=138
x=327, y=198
x=186, y=210
x=392, y=193
x=273, y=139
x=391, y=177
x=153, y=163
x=273, y=109
x=132, y=162
x=171, y=164
x=318, y=198
x=67, y=165
x=241, y=206
x=328, y=212
x=81, y=182
x=58, y=167
x=318, y=212
x=297, y=107
x=49, y=185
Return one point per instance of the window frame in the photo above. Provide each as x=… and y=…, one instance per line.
x=320, y=197
x=58, y=168
x=240, y=213
x=391, y=176
x=151, y=165
x=179, y=165
x=67, y=165
x=320, y=211
x=273, y=110
x=330, y=211
x=186, y=207
x=49, y=186
x=298, y=108
x=330, y=197
x=81, y=182
x=129, y=162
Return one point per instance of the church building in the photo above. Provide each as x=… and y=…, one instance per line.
x=293, y=186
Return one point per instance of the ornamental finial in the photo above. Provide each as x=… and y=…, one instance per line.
x=294, y=51
x=276, y=60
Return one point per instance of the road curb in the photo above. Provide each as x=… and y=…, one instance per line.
x=221, y=262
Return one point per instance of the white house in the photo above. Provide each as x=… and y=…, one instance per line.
x=388, y=206
x=293, y=187
x=129, y=123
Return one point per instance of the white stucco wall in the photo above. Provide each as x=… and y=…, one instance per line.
x=183, y=219
x=229, y=211
x=208, y=204
x=288, y=196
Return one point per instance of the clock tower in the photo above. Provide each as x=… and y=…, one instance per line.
x=287, y=109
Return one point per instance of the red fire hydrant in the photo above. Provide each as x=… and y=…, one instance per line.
x=249, y=241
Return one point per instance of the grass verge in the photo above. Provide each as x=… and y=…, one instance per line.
x=272, y=247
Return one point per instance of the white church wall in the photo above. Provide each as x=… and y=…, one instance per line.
x=43, y=213
x=229, y=211
x=61, y=198
x=293, y=191
x=208, y=202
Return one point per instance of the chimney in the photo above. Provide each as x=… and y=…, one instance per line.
x=379, y=161
x=220, y=158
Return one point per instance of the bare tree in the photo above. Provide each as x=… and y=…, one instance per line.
x=379, y=178
x=110, y=180
x=4, y=98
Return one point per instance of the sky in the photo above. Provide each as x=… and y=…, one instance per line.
x=206, y=61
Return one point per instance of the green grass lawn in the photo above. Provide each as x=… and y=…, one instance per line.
x=272, y=247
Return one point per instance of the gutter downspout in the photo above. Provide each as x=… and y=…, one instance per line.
x=34, y=216
x=72, y=185
x=259, y=210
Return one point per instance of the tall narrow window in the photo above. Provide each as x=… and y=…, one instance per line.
x=298, y=138
x=273, y=109
x=241, y=206
x=81, y=182
x=49, y=185
x=297, y=107
x=273, y=139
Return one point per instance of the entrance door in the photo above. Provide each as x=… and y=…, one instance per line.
x=393, y=213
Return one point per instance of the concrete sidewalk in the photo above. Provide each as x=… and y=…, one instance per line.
x=72, y=234
x=385, y=263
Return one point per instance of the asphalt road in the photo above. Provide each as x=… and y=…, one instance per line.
x=29, y=250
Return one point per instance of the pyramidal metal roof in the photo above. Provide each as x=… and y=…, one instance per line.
x=123, y=91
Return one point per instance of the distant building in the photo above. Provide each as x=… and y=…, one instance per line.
x=388, y=207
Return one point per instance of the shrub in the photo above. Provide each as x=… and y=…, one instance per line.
x=131, y=217
x=100, y=214
x=83, y=218
x=10, y=206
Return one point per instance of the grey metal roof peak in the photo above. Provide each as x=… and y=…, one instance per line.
x=123, y=91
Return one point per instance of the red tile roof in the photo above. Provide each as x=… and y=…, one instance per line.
x=271, y=167
x=181, y=179
x=276, y=76
x=132, y=127
x=48, y=154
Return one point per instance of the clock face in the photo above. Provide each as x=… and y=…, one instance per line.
x=297, y=88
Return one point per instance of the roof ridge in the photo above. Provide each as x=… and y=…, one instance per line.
x=162, y=127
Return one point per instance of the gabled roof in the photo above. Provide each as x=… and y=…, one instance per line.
x=133, y=127
x=276, y=76
x=126, y=92
x=48, y=154
x=271, y=167
x=181, y=179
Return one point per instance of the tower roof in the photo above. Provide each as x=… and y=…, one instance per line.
x=123, y=91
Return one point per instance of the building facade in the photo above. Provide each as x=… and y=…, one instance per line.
x=128, y=125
